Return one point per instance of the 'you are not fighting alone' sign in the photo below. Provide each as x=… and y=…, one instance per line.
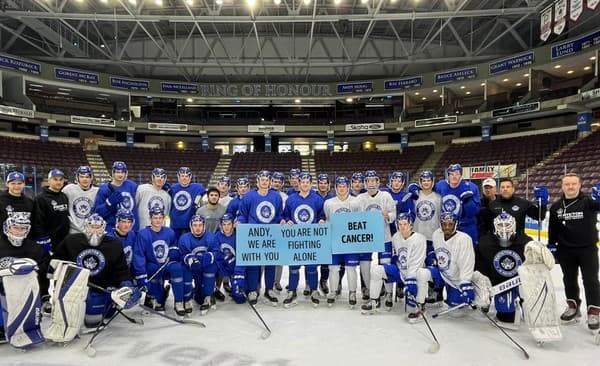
x=360, y=232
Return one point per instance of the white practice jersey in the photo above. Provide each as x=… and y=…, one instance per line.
x=81, y=204
x=427, y=208
x=411, y=253
x=336, y=205
x=455, y=257
x=147, y=197
x=284, y=197
x=380, y=202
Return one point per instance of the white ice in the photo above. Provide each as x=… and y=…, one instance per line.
x=303, y=335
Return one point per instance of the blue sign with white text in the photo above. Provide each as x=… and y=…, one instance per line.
x=74, y=75
x=576, y=45
x=129, y=84
x=455, y=75
x=357, y=232
x=366, y=87
x=403, y=83
x=511, y=63
x=169, y=87
x=13, y=63
x=283, y=244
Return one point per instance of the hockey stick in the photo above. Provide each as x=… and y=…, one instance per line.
x=89, y=350
x=267, y=332
x=120, y=311
x=435, y=346
x=505, y=286
x=172, y=318
x=158, y=271
x=449, y=310
x=539, y=218
x=503, y=331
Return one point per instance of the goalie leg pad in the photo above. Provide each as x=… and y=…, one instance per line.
x=21, y=305
x=68, y=302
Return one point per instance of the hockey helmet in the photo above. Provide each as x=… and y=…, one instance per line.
x=16, y=228
x=505, y=228
x=94, y=229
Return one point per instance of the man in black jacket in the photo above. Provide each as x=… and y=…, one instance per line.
x=14, y=200
x=518, y=207
x=572, y=231
x=51, y=223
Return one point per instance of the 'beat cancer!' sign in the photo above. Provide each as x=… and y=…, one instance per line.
x=309, y=244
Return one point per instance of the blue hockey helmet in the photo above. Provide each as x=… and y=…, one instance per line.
x=427, y=174
x=454, y=168
x=242, y=182
x=119, y=166
x=225, y=179
x=396, y=175
x=447, y=216
x=340, y=180
x=295, y=172
x=227, y=217
x=323, y=178
x=156, y=211
x=405, y=216
x=184, y=170
x=83, y=170
x=278, y=176
x=197, y=218
x=263, y=173
x=124, y=214
x=357, y=177
x=159, y=172
x=305, y=176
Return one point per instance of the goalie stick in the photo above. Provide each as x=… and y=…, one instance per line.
x=172, y=318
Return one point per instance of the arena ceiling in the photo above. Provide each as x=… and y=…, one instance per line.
x=288, y=41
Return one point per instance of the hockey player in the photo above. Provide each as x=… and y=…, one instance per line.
x=461, y=198
x=323, y=189
x=156, y=250
x=95, y=257
x=304, y=207
x=14, y=200
x=50, y=224
x=375, y=200
x=408, y=256
x=572, y=233
x=498, y=257
x=293, y=181
x=122, y=231
x=186, y=197
x=151, y=195
x=342, y=202
x=358, y=184
x=81, y=196
x=456, y=261
x=116, y=194
x=277, y=182
x=396, y=182
x=212, y=210
x=242, y=186
x=199, y=251
x=261, y=206
x=20, y=259
x=227, y=267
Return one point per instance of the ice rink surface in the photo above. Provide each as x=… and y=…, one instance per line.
x=303, y=335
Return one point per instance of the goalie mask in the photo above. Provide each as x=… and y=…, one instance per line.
x=505, y=229
x=94, y=229
x=16, y=228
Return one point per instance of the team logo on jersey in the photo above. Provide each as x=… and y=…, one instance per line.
x=403, y=258
x=161, y=251
x=182, y=200
x=444, y=258
x=92, y=259
x=506, y=262
x=425, y=210
x=342, y=209
x=304, y=214
x=82, y=207
x=59, y=206
x=265, y=212
x=128, y=254
x=451, y=203
x=127, y=202
x=373, y=207
x=515, y=208
x=156, y=201
x=227, y=249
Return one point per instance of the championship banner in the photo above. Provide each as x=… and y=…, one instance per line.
x=546, y=23
x=270, y=245
x=490, y=171
x=357, y=232
x=575, y=9
x=560, y=16
x=592, y=4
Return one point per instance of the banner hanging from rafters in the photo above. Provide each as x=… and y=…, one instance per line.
x=546, y=23
x=592, y=4
x=560, y=16
x=575, y=9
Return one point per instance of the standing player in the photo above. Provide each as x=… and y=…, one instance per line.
x=408, y=256
x=261, y=206
x=116, y=194
x=304, y=207
x=375, y=200
x=358, y=184
x=462, y=199
x=223, y=185
x=212, y=210
x=323, y=189
x=14, y=200
x=342, y=202
x=396, y=183
x=151, y=195
x=277, y=182
x=81, y=196
x=156, y=245
x=242, y=186
x=186, y=197
x=456, y=262
x=51, y=213
x=293, y=180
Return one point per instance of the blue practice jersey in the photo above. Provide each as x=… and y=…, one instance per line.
x=191, y=246
x=401, y=207
x=183, y=204
x=154, y=247
x=127, y=241
x=258, y=209
x=466, y=211
x=107, y=211
x=304, y=210
x=233, y=208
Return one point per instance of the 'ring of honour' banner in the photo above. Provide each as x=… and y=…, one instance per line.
x=283, y=244
x=357, y=232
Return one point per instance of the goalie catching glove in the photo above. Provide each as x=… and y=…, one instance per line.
x=126, y=296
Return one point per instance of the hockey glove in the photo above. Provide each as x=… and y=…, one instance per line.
x=467, y=294
x=413, y=190
x=541, y=194
x=193, y=262
x=554, y=250
x=46, y=243
x=141, y=284
x=466, y=195
x=167, y=187
x=207, y=259
x=238, y=288
x=114, y=199
x=596, y=192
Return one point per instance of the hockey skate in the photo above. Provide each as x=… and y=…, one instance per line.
x=352, y=299
x=435, y=298
x=370, y=307
x=291, y=299
x=153, y=304
x=306, y=292
x=323, y=287
x=227, y=285
x=252, y=297
x=330, y=300
x=219, y=295
x=314, y=298
x=278, y=287
x=179, y=308
x=270, y=298
x=365, y=294
x=593, y=321
x=205, y=306
x=417, y=315
x=389, y=303
x=572, y=314
x=3, y=335
x=188, y=306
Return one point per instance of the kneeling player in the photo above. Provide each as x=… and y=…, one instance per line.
x=199, y=250
x=20, y=259
x=408, y=255
x=227, y=267
x=95, y=257
x=456, y=261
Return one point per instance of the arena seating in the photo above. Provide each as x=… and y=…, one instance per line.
x=43, y=155
x=384, y=162
x=140, y=161
x=248, y=164
x=525, y=151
